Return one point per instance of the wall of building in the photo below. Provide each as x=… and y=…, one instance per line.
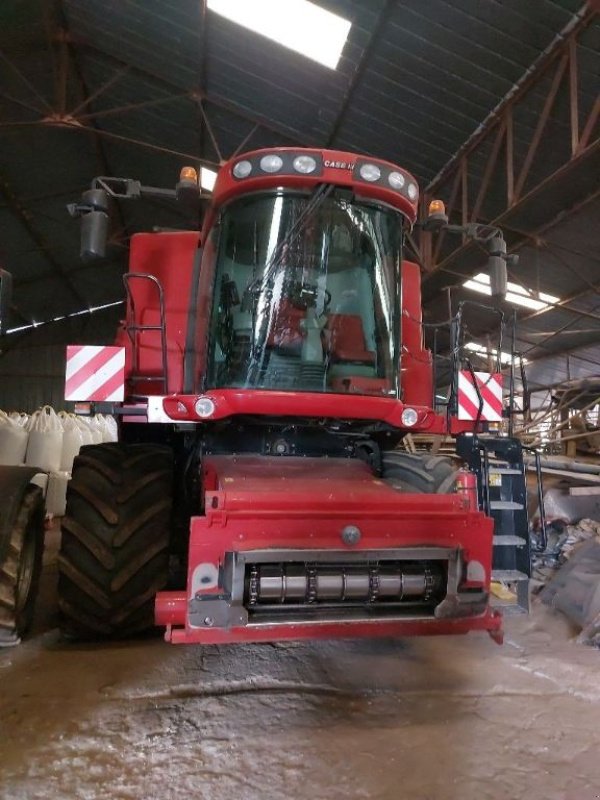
x=32, y=363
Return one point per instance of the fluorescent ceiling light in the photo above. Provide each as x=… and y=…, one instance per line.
x=482, y=351
x=298, y=24
x=207, y=178
x=91, y=310
x=517, y=295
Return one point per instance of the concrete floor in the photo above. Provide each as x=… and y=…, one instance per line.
x=437, y=719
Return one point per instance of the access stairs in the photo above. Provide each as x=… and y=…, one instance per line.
x=502, y=489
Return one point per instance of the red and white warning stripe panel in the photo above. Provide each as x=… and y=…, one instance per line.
x=490, y=388
x=95, y=373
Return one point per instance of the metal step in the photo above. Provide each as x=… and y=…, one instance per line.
x=504, y=471
x=508, y=607
x=509, y=540
x=509, y=575
x=505, y=505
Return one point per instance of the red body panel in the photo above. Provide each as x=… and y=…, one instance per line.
x=256, y=503
x=170, y=258
x=415, y=361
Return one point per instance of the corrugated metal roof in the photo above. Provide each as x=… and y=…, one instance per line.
x=415, y=80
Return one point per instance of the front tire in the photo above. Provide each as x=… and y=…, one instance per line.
x=20, y=566
x=114, y=553
x=423, y=474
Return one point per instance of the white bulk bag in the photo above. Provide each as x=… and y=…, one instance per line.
x=20, y=419
x=100, y=423
x=97, y=429
x=56, y=496
x=13, y=441
x=85, y=430
x=41, y=480
x=112, y=428
x=72, y=441
x=44, y=447
x=108, y=426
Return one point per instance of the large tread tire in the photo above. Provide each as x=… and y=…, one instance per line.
x=114, y=553
x=21, y=566
x=422, y=474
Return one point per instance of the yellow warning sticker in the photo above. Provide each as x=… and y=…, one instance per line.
x=495, y=479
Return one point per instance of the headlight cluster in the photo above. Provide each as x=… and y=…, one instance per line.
x=388, y=177
x=282, y=163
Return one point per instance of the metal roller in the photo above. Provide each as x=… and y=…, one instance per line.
x=306, y=584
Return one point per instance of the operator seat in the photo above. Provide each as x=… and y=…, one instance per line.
x=286, y=332
x=345, y=340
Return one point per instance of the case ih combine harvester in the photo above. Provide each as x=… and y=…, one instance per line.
x=272, y=364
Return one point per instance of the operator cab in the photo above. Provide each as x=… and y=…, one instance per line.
x=306, y=294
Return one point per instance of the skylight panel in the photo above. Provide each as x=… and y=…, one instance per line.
x=207, y=178
x=516, y=294
x=480, y=350
x=300, y=25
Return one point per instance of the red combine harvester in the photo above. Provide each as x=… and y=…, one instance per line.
x=272, y=364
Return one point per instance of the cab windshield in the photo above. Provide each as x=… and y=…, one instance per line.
x=306, y=295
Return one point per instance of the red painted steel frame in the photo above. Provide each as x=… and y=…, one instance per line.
x=266, y=402
x=254, y=503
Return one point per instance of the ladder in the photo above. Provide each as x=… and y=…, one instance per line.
x=502, y=491
x=136, y=330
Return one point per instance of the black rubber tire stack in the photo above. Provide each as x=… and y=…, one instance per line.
x=114, y=553
x=424, y=474
x=21, y=565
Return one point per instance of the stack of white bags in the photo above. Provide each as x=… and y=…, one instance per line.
x=50, y=442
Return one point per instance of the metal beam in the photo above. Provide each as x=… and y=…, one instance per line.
x=489, y=169
x=284, y=131
x=12, y=66
x=561, y=58
x=539, y=130
x=560, y=174
x=576, y=24
x=70, y=56
x=25, y=217
x=359, y=70
x=589, y=126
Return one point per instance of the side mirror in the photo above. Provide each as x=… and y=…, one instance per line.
x=498, y=276
x=93, y=211
x=5, y=299
x=94, y=235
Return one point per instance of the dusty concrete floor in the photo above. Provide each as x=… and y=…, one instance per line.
x=438, y=719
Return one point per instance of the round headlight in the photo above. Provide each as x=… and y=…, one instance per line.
x=412, y=190
x=242, y=169
x=370, y=172
x=305, y=164
x=396, y=180
x=272, y=163
x=409, y=417
x=204, y=407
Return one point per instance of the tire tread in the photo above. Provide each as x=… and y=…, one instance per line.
x=115, y=540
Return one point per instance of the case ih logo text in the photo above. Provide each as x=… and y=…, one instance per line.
x=339, y=164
